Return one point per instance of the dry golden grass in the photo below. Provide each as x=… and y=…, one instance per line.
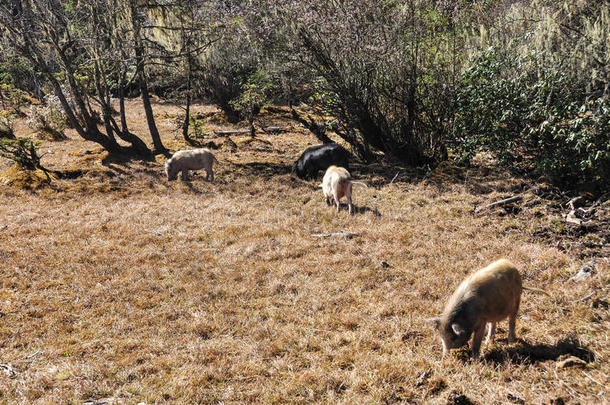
x=119, y=285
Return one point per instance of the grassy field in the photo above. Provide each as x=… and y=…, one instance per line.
x=118, y=285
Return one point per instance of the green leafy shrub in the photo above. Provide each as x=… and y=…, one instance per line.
x=17, y=74
x=535, y=120
x=12, y=102
x=198, y=126
x=255, y=94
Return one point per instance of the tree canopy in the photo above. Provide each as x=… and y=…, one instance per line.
x=414, y=81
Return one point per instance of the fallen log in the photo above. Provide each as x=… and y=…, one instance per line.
x=499, y=203
x=276, y=129
x=233, y=132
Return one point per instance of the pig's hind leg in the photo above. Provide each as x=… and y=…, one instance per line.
x=336, y=200
x=348, y=194
x=491, y=333
x=512, y=321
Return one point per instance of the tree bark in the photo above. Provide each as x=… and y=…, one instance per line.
x=124, y=127
x=142, y=80
x=187, y=118
x=186, y=46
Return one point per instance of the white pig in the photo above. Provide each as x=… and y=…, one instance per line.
x=185, y=160
x=336, y=184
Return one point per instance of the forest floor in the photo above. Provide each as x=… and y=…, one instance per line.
x=119, y=287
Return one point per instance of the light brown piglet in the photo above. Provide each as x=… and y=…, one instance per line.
x=487, y=296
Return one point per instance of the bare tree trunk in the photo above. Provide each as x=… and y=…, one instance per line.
x=105, y=100
x=142, y=81
x=187, y=114
x=187, y=117
x=124, y=127
x=34, y=46
x=150, y=119
x=90, y=131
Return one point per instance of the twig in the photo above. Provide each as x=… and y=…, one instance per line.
x=593, y=379
x=394, y=178
x=245, y=378
x=574, y=201
x=29, y=356
x=499, y=203
x=585, y=298
x=333, y=234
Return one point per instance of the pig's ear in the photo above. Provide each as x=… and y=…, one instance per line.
x=435, y=321
x=457, y=329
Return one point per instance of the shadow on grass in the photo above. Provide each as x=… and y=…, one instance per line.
x=188, y=184
x=121, y=164
x=381, y=174
x=262, y=169
x=479, y=179
x=526, y=353
x=199, y=143
x=362, y=209
x=365, y=209
x=124, y=159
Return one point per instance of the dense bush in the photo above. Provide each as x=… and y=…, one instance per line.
x=383, y=69
x=12, y=102
x=534, y=120
x=16, y=73
x=12, y=98
x=401, y=78
x=225, y=71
